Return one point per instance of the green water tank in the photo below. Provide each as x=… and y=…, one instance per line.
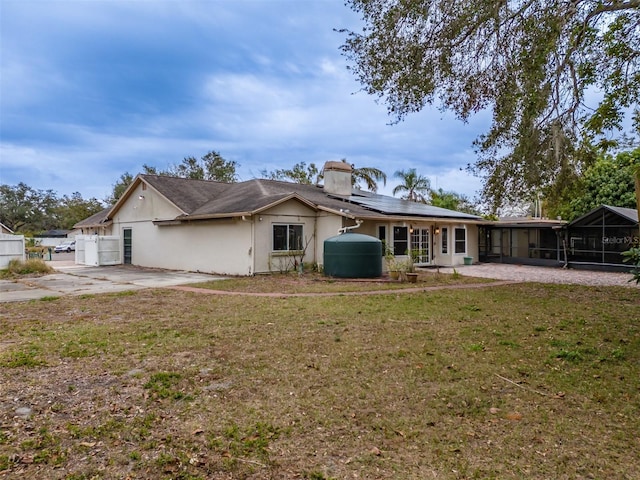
x=353, y=255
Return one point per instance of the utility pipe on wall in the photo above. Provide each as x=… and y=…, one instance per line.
x=352, y=227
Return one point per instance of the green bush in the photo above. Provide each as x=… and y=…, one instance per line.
x=632, y=256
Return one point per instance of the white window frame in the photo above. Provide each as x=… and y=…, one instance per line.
x=385, y=240
x=406, y=240
x=288, y=236
x=444, y=245
x=455, y=241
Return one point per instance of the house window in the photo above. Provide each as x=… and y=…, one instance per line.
x=400, y=240
x=445, y=240
x=460, y=240
x=287, y=237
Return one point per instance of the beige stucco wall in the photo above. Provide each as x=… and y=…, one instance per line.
x=288, y=213
x=217, y=246
x=451, y=258
x=146, y=204
x=221, y=246
x=328, y=226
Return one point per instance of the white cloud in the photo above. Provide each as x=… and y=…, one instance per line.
x=263, y=83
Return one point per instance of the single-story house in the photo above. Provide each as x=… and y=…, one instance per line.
x=6, y=230
x=260, y=225
x=595, y=240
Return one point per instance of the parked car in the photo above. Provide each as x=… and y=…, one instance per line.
x=69, y=246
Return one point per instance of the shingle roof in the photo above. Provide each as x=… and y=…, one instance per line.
x=629, y=213
x=594, y=217
x=94, y=220
x=186, y=193
x=202, y=198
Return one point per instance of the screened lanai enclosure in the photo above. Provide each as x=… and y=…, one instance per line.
x=524, y=241
x=595, y=240
x=600, y=236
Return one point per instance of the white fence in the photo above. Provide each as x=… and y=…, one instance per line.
x=11, y=247
x=97, y=250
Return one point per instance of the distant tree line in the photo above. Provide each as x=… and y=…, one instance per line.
x=27, y=210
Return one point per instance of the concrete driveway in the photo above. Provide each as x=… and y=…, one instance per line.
x=71, y=279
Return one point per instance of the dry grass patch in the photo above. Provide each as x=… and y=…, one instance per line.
x=291, y=283
x=29, y=267
x=526, y=381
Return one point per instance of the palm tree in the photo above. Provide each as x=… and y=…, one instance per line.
x=418, y=188
x=370, y=176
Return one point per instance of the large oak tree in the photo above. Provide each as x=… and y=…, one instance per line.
x=555, y=74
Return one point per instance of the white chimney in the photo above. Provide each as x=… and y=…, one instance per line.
x=337, y=178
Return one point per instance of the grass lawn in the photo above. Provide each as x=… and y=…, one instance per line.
x=515, y=381
x=317, y=283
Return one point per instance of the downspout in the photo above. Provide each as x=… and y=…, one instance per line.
x=315, y=241
x=252, y=246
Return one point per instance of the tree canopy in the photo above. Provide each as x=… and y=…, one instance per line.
x=119, y=188
x=554, y=74
x=299, y=173
x=27, y=210
x=452, y=201
x=211, y=166
x=609, y=181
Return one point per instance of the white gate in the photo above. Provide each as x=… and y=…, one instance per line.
x=97, y=250
x=11, y=247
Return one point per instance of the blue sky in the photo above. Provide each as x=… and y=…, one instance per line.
x=91, y=89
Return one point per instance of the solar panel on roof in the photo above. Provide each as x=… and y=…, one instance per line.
x=396, y=206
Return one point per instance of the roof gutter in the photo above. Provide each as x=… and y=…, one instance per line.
x=200, y=218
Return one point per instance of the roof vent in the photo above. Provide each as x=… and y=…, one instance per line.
x=337, y=178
